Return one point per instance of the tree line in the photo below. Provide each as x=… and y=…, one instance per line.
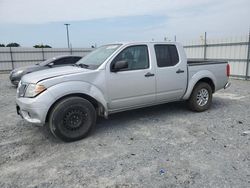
x=14, y=44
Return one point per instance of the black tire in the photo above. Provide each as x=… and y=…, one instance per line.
x=72, y=119
x=197, y=103
x=15, y=83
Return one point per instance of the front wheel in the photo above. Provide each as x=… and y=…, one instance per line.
x=72, y=119
x=201, y=97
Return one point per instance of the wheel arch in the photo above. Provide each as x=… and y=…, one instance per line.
x=202, y=76
x=97, y=105
x=209, y=81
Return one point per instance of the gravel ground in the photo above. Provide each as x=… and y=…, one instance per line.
x=161, y=146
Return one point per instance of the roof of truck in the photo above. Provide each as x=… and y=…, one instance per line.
x=145, y=42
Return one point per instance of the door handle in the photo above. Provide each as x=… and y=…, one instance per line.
x=179, y=71
x=149, y=74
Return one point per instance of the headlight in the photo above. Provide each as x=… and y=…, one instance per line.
x=34, y=90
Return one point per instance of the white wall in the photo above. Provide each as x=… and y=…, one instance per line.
x=28, y=56
x=234, y=50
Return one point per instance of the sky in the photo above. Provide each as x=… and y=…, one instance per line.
x=30, y=22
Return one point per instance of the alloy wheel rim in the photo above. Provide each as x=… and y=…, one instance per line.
x=202, y=97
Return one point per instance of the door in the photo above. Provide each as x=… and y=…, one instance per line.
x=171, y=71
x=134, y=85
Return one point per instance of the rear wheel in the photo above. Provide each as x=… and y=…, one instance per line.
x=72, y=119
x=201, y=97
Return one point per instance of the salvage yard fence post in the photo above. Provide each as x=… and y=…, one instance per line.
x=11, y=59
x=43, y=54
x=248, y=58
x=205, y=46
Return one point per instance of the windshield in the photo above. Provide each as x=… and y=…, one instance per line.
x=98, y=56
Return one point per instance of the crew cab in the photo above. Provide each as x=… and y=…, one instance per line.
x=115, y=78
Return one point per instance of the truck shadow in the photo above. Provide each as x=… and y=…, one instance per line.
x=153, y=114
x=143, y=117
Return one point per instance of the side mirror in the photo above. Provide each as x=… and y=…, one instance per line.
x=119, y=65
x=51, y=64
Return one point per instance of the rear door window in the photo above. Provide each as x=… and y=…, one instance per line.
x=166, y=55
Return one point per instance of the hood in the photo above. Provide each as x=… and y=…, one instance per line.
x=51, y=73
x=27, y=68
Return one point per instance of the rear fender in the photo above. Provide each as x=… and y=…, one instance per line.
x=195, y=79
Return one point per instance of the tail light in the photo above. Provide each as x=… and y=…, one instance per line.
x=228, y=70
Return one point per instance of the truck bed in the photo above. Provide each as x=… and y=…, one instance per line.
x=193, y=62
x=216, y=68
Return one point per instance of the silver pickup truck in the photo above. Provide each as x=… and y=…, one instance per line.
x=115, y=78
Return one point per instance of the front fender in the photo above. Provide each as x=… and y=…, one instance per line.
x=72, y=87
x=196, y=78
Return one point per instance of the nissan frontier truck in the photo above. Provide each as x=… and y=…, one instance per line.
x=115, y=78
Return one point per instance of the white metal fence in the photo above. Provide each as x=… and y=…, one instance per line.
x=234, y=50
x=14, y=57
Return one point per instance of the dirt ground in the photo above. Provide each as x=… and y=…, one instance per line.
x=160, y=146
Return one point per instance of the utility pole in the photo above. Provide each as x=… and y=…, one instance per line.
x=67, y=28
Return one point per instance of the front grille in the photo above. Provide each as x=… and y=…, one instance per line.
x=21, y=89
